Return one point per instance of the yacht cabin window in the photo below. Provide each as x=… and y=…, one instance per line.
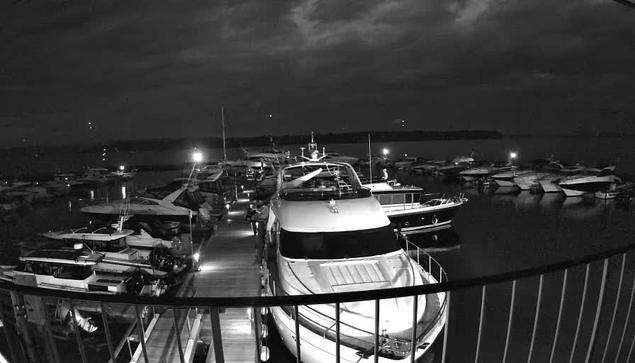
x=338, y=245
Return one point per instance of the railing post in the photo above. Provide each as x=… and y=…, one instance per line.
x=480, y=324
x=413, y=336
x=555, y=335
x=577, y=329
x=217, y=339
x=597, y=311
x=376, y=350
x=258, y=324
x=177, y=333
x=446, y=327
x=78, y=337
x=533, y=332
x=296, y=318
x=142, y=333
x=8, y=334
x=628, y=316
x=509, y=320
x=337, y=332
x=104, y=318
x=617, y=301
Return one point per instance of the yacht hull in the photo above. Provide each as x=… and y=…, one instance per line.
x=422, y=218
x=505, y=183
x=573, y=192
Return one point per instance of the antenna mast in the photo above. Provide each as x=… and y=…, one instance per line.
x=222, y=113
x=370, y=161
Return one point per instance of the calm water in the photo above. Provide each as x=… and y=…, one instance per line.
x=588, y=150
x=497, y=230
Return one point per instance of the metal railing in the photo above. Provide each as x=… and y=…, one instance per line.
x=579, y=310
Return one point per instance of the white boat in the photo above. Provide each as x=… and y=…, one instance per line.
x=481, y=172
x=406, y=163
x=78, y=270
x=427, y=167
x=589, y=182
x=530, y=180
x=329, y=235
x=96, y=177
x=507, y=178
x=409, y=211
x=109, y=238
x=549, y=183
x=176, y=206
x=335, y=157
x=455, y=166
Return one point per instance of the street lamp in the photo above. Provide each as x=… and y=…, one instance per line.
x=197, y=157
x=121, y=168
x=385, y=152
x=512, y=155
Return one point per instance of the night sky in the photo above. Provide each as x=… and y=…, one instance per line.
x=147, y=69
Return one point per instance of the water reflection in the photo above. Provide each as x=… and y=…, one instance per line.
x=443, y=239
x=551, y=200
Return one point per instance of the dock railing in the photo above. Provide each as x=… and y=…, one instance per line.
x=578, y=310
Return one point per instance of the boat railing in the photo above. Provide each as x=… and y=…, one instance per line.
x=430, y=266
x=576, y=310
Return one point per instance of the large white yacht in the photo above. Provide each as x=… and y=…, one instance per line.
x=328, y=234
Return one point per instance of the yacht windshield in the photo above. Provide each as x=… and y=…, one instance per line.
x=338, y=245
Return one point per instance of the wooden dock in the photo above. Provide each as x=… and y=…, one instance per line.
x=228, y=266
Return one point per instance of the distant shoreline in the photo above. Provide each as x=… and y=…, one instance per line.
x=282, y=140
x=267, y=140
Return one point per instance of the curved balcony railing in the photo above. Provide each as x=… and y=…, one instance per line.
x=579, y=310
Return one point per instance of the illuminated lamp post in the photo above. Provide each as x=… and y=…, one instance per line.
x=512, y=155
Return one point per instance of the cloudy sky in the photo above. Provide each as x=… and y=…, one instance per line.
x=160, y=68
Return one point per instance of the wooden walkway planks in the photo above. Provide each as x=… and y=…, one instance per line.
x=227, y=267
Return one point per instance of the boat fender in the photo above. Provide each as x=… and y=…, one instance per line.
x=435, y=220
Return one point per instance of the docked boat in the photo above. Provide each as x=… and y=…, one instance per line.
x=455, y=166
x=589, y=182
x=409, y=210
x=507, y=178
x=108, y=239
x=178, y=206
x=96, y=177
x=330, y=235
x=616, y=191
x=407, y=162
x=427, y=167
x=81, y=271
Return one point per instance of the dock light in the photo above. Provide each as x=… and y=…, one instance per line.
x=121, y=167
x=513, y=155
x=264, y=353
x=385, y=151
x=197, y=156
x=197, y=257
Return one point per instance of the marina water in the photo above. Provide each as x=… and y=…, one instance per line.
x=498, y=230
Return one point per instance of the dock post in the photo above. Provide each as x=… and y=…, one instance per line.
x=217, y=339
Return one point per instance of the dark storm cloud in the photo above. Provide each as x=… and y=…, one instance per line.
x=151, y=69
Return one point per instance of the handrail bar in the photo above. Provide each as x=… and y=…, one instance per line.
x=320, y=298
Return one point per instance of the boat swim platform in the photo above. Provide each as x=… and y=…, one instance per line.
x=228, y=267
